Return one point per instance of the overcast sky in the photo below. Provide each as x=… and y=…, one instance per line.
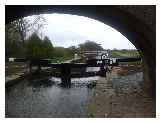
x=67, y=30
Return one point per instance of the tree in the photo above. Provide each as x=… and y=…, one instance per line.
x=37, y=24
x=20, y=26
x=35, y=48
x=90, y=46
x=23, y=26
x=48, y=48
x=59, y=52
x=73, y=49
x=13, y=44
x=38, y=48
x=17, y=33
x=115, y=49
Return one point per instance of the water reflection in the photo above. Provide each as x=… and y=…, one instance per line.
x=46, y=98
x=37, y=83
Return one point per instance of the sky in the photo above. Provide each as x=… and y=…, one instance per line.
x=70, y=30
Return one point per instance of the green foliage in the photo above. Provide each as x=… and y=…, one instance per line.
x=17, y=44
x=124, y=53
x=47, y=48
x=16, y=35
x=90, y=46
x=91, y=115
x=38, y=49
x=61, y=54
x=73, y=49
x=34, y=47
x=13, y=43
x=20, y=26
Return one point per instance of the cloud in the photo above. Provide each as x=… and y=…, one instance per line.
x=67, y=30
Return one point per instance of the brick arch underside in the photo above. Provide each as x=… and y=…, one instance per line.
x=141, y=35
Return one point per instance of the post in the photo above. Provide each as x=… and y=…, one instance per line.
x=66, y=75
x=38, y=68
x=102, y=70
x=30, y=67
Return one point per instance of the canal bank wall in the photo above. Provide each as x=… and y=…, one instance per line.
x=121, y=97
x=100, y=104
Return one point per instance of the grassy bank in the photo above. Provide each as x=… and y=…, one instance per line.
x=124, y=53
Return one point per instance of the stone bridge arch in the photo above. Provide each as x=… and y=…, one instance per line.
x=137, y=23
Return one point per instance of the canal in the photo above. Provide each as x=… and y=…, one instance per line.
x=46, y=98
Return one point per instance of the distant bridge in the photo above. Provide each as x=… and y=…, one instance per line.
x=100, y=54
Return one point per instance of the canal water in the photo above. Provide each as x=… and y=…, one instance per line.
x=46, y=98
